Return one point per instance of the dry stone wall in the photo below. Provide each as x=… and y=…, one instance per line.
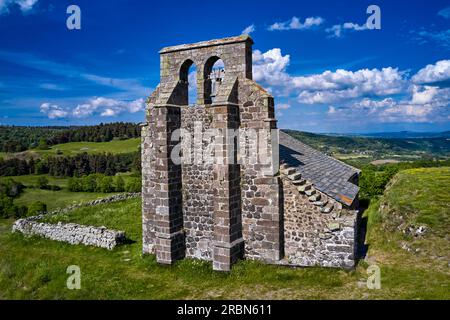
x=74, y=233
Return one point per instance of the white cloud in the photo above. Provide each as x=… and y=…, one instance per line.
x=249, y=29
x=24, y=5
x=379, y=95
x=425, y=104
x=296, y=24
x=270, y=68
x=423, y=95
x=53, y=111
x=105, y=107
x=337, y=30
x=440, y=71
x=331, y=110
x=329, y=86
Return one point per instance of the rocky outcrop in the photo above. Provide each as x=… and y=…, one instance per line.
x=74, y=233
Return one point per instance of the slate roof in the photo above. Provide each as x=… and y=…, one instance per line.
x=327, y=174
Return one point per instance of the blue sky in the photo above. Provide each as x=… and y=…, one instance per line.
x=326, y=70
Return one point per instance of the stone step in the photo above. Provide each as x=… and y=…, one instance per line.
x=288, y=171
x=320, y=203
x=327, y=209
x=314, y=197
x=299, y=182
x=295, y=176
x=304, y=188
x=310, y=192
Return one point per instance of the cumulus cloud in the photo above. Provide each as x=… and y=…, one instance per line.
x=440, y=71
x=104, y=107
x=424, y=104
x=295, y=24
x=249, y=29
x=380, y=95
x=270, y=68
x=53, y=111
x=24, y=5
x=329, y=86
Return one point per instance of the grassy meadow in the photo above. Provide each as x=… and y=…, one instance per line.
x=54, y=198
x=72, y=148
x=35, y=268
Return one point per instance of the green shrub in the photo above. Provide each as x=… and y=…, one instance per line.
x=106, y=184
x=37, y=207
x=42, y=183
x=133, y=185
x=8, y=209
x=119, y=184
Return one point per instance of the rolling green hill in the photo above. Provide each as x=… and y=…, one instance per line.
x=367, y=149
x=71, y=148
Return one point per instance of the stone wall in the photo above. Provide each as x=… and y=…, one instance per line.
x=314, y=236
x=71, y=233
x=198, y=191
x=74, y=233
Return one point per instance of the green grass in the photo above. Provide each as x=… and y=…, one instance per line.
x=30, y=181
x=421, y=196
x=55, y=199
x=72, y=148
x=35, y=268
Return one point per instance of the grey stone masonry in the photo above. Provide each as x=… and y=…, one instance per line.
x=218, y=212
x=237, y=206
x=74, y=233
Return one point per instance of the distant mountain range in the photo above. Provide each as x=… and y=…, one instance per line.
x=396, y=135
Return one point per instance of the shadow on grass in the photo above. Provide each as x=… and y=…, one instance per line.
x=361, y=246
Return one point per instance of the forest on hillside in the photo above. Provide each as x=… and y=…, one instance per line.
x=20, y=138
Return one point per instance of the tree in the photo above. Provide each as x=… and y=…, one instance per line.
x=133, y=185
x=120, y=184
x=75, y=185
x=42, y=183
x=43, y=144
x=36, y=208
x=106, y=184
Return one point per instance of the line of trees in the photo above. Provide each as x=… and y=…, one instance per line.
x=69, y=166
x=19, y=138
x=101, y=183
